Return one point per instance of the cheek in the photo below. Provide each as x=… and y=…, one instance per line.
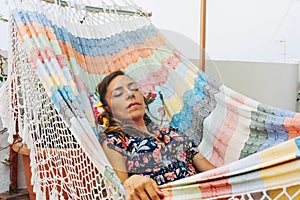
x=142, y=100
x=118, y=108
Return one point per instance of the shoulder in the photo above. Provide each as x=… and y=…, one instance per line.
x=113, y=140
x=173, y=132
x=169, y=130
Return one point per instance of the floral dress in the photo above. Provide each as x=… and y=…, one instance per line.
x=164, y=160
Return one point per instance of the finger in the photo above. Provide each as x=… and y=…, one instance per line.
x=151, y=190
x=132, y=195
x=160, y=193
x=143, y=195
x=136, y=192
x=130, y=192
x=157, y=189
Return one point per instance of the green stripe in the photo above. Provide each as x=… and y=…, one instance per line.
x=258, y=134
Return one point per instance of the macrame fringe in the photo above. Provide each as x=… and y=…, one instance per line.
x=8, y=120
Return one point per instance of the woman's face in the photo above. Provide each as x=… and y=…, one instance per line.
x=124, y=100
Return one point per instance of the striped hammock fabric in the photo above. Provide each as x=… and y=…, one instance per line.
x=59, y=55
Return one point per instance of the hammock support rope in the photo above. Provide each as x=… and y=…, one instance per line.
x=105, y=10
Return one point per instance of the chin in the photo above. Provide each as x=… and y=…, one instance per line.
x=137, y=117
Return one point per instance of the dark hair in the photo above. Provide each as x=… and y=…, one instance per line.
x=115, y=125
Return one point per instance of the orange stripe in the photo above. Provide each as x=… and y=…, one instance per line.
x=111, y=62
x=39, y=29
x=292, y=125
x=23, y=30
x=50, y=33
x=98, y=64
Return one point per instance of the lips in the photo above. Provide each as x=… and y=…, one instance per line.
x=133, y=104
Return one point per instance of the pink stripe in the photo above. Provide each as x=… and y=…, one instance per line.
x=216, y=173
x=159, y=77
x=224, y=133
x=98, y=65
x=211, y=183
x=215, y=188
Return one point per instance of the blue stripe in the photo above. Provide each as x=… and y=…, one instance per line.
x=297, y=141
x=284, y=113
x=183, y=119
x=93, y=46
x=277, y=133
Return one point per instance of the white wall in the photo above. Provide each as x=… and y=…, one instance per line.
x=5, y=170
x=273, y=84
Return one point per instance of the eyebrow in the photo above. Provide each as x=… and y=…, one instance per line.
x=129, y=84
x=118, y=88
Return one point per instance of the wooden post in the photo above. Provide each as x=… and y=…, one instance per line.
x=202, y=35
x=13, y=157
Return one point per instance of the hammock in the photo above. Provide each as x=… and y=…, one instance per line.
x=60, y=53
x=2, y=68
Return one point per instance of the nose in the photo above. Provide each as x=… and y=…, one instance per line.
x=130, y=94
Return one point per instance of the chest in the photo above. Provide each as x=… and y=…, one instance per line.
x=168, y=145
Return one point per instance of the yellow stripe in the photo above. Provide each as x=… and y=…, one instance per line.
x=279, y=195
x=173, y=105
x=283, y=174
x=278, y=151
x=73, y=87
x=48, y=83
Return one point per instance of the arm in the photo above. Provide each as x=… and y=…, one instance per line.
x=201, y=163
x=136, y=186
x=117, y=161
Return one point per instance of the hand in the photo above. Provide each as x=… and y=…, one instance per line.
x=142, y=188
x=201, y=163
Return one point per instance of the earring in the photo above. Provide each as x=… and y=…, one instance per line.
x=100, y=112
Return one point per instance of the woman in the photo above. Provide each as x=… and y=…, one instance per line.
x=143, y=155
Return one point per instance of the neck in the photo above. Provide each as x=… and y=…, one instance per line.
x=140, y=125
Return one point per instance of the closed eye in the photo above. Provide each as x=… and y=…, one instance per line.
x=117, y=92
x=133, y=86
